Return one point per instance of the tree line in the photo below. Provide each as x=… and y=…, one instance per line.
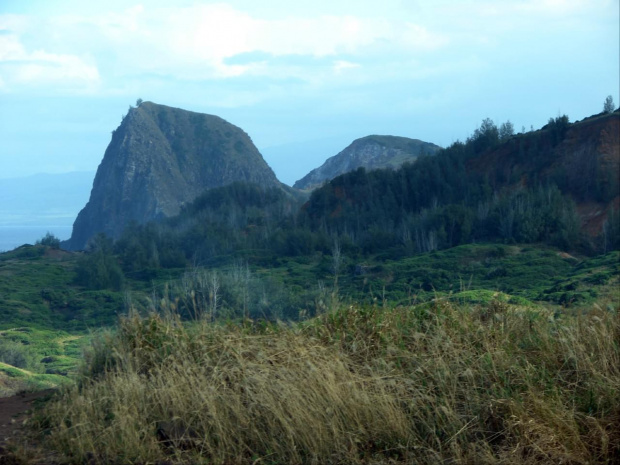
x=440, y=201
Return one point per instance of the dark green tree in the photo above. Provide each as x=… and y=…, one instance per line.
x=609, y=106
x=98, y=267
x=506, y=131
x=49, y=240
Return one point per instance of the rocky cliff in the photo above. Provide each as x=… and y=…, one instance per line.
x=371, y=152
x=159, y=158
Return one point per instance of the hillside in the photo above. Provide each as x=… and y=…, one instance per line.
x=160, y=158
x=371, y=152
x=557, y=185
x=582, y=159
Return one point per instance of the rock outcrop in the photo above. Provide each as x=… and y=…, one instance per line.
x=371, y=152
x=160, y=158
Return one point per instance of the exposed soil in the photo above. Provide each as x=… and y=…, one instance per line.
x=14, y=411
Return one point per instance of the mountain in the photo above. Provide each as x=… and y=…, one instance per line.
x=370, y=152
x=159, y=159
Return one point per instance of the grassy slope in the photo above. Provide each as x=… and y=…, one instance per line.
x=530, y=273
x=48, y=358
x=37, y=290
x=39, y=302
x=431, y=383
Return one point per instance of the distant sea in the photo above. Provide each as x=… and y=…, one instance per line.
x=12, y=236
x=30, y=206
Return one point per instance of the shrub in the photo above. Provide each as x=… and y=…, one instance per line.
x=18, y=355
x=49, y=240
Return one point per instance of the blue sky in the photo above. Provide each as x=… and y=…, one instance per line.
x=302, y=78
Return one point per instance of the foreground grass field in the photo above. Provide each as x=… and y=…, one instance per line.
x=432, y=383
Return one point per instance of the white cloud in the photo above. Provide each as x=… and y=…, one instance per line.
x=342, y=65
x=10, y=47
x=21, y=67
x=122, y=49
x=419, y=38
x=195, y=42
x=40, y=66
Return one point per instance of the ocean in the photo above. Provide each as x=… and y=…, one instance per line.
x=12, y=236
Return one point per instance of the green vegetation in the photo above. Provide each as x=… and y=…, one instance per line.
x=34, y=359
x=38, y=290
x=49, y=240
x=609, y=106
x=453, y=198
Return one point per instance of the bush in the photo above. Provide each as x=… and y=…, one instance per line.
x=49, y=240
x=18, y=355
x=99, y=268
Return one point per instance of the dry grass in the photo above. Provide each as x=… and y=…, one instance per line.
x=425, y=384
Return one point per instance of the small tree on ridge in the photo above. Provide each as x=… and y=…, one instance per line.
x=609, y=105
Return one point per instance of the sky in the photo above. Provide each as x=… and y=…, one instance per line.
x=302, y=78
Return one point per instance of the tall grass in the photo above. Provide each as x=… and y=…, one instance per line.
x=434, y=383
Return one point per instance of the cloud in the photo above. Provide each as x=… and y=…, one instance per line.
x=419, y=38
x=342, y=65
x=154, y=46
x=198, y=42
x=20, y=67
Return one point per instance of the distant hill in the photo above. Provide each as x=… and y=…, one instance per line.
x=159, y=159
x=370, y=152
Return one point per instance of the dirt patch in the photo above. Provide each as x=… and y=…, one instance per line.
x=567, y=256
x=18, y=446
x=14, y=411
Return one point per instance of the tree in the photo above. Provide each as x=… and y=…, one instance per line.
x=49, y=240
x=609, y=105
x=336, y=260
x=485, y=137
x=557, y=127
x=139, y=102
x=98, y=268
x=506, y=130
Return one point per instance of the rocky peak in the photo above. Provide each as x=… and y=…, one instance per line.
x=160, y=158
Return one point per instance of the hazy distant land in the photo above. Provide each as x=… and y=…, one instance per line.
x=33, y=205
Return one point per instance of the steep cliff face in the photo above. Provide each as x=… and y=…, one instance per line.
x=371, y=152
x=160, y=158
